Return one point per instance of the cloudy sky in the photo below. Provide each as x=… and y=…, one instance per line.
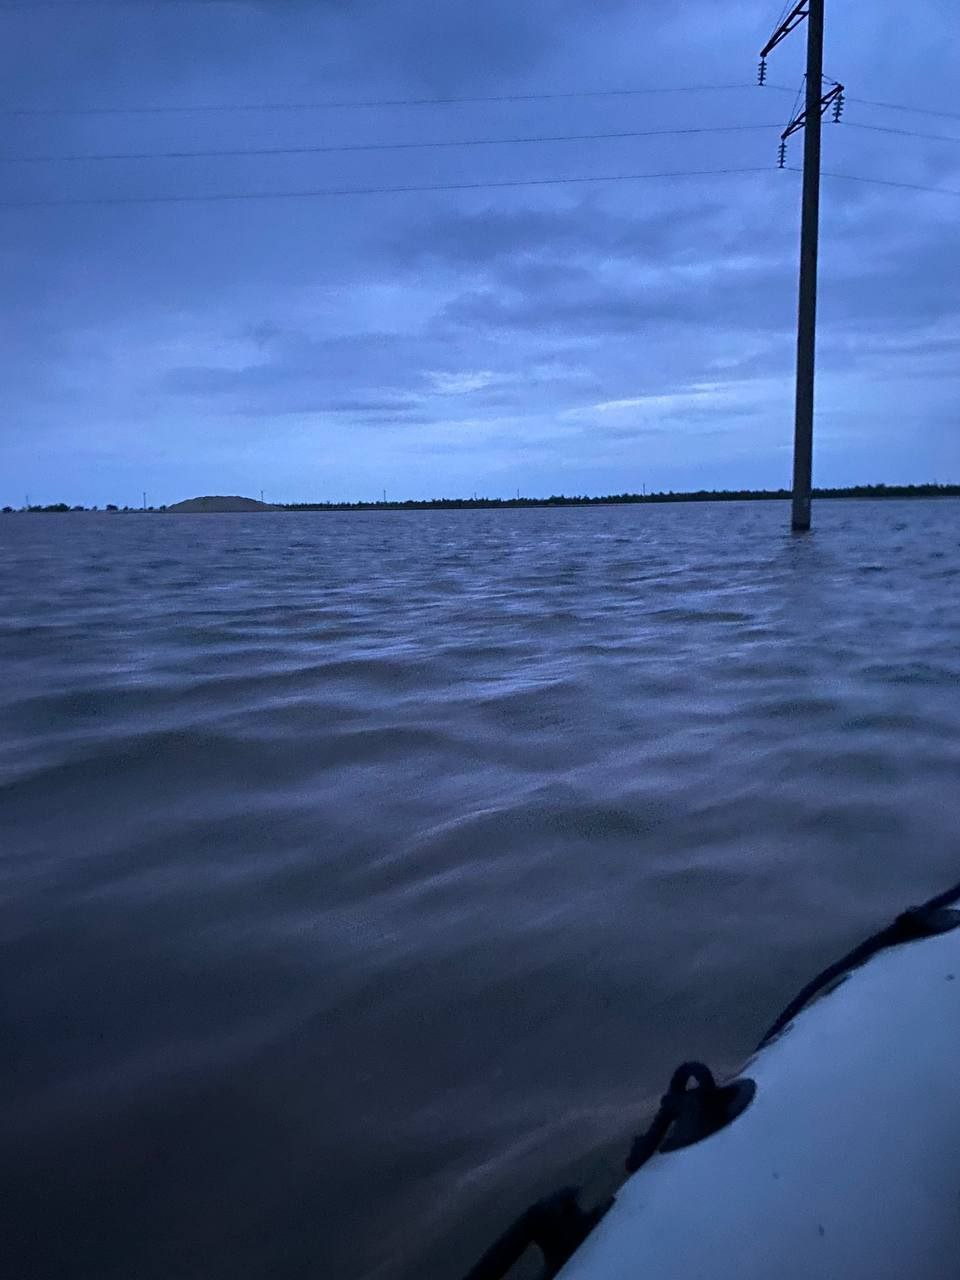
x=577, y=337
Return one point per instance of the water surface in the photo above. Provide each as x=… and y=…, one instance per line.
x=362, y=872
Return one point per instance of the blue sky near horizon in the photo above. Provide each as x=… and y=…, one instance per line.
x=583, y=337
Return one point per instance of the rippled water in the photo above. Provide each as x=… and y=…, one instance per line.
x=360, y=873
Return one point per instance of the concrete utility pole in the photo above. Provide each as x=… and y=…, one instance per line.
x=810, y=121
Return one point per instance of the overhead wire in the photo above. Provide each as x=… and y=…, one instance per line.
x=323, y=192
x=797, y=100
x=81, y=6
x=783, y=14
x=235, y=152
x=344, y=104
x=239, y=152
x=904, y=133
x=882, y=182
x=898, y=106
x=320, y=192
x=371, y=103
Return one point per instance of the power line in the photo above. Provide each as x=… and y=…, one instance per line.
x=326, y=192
x=897, y=106
x=797, y=99
x=881, y=182
x=87, y=5
x=783, y=13
x=319, y=192
x=351, y=104
x=381, y=146
x=904, y=133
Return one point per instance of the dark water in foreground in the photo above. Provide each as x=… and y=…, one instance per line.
x=361, y=872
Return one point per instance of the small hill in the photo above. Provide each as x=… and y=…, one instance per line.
x=218, y=504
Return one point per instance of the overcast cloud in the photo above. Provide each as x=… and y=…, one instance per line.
x=590, y=337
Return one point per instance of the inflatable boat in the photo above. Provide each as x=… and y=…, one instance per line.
x=834, y=1153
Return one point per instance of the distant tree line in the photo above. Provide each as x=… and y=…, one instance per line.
x=58, y=507
x=569, y=500
x=614, y=499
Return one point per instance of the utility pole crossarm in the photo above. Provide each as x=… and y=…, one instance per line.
x=834, y=98
x=793, y=19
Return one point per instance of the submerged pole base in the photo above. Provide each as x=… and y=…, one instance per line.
x=800, y=518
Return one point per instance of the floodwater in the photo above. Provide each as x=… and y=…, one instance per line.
x=363, y=874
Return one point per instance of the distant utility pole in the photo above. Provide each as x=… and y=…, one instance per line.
x=809, y=120
x=261, y=495
x=144, y=499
